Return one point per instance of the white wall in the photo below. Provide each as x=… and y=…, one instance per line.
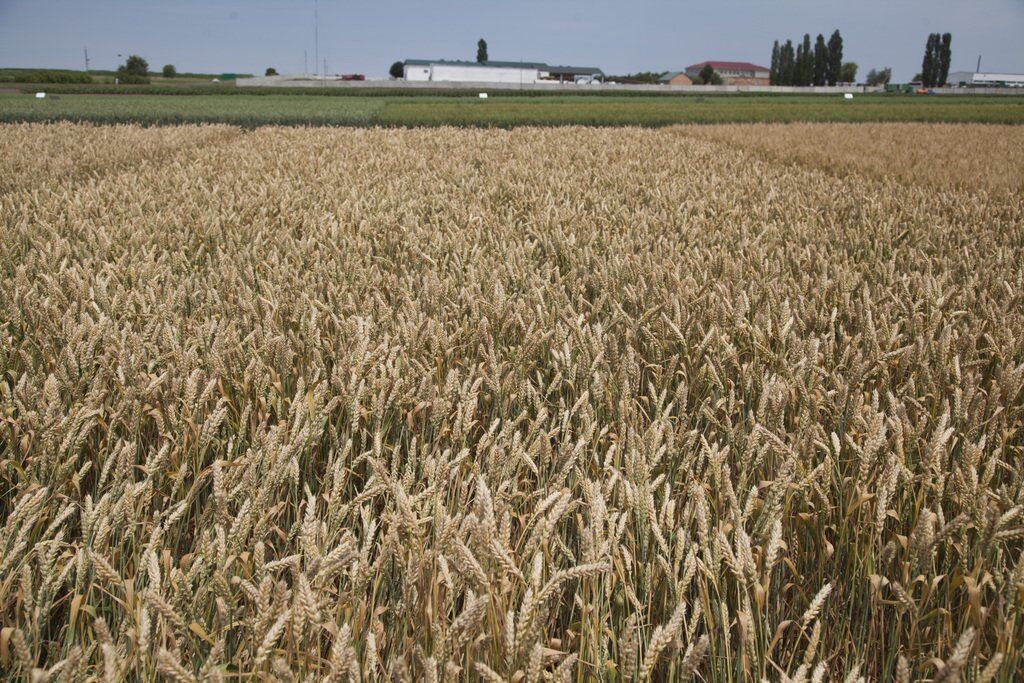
x=984, y=78
x=460, y=73
x=487, y=74
x=417, y=72
x=994, y=78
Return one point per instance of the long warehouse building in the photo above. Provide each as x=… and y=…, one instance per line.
x=497, y=72
x=985, y=78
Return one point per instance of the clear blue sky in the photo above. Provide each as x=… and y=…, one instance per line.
x=620, y=36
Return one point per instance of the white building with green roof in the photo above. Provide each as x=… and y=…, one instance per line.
x=497, y=72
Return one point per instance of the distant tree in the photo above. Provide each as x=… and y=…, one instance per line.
x=800, y=68
x=134, y=70
x=835, y=58
x=820, y=61
x=638, y=77
x=708, y=76
x=848, y=72
x=878, y=77
x=787, y=64
x=807, y=72
x=945, y=57
x=918, y=78
x=481, y=50
x=647, y=76
x=929, y=65
x=271, y=71
x=397, y=70
x=773, y=74
x=804, y=62
x=134, y=66
x=169, y=71
x=794, y=73
x=798, y=65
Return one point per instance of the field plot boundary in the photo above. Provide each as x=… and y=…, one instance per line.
x=77, y=166
x=503, y=112
x=873, y=150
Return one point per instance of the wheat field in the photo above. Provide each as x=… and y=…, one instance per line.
x=541, y=404
x=943, y=156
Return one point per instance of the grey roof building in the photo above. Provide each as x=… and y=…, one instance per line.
x=497, y=71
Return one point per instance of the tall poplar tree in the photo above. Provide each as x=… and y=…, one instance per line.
x=820, y=61
x=773, y=74
x=787, y=67
x=928, y=63
x=945, y=57
x=807, y=67
x=835, y=57
x=798, y=65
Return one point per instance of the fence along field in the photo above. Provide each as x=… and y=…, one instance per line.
x=541, y=404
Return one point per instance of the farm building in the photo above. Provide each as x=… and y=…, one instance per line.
x=734, y=73
x=497, y=72
x=985, y=78
x=676, y=78
x=572, y=74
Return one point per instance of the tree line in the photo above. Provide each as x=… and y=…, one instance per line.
x=803, y=64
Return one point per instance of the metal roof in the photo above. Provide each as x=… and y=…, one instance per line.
x=997, y=76
x=575, y=70
x=736, y=66
x=581, y=70
x=670, y=75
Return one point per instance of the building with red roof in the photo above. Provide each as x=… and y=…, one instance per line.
x=734, y=73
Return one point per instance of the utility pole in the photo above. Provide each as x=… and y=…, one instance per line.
x=316, y=33
x=978, y=69
x=86, y=60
